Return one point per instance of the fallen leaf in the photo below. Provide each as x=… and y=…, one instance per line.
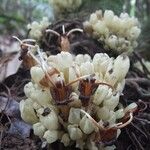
x=8, y=45
x=20, y=127
x=10, y=108
x=9, y=65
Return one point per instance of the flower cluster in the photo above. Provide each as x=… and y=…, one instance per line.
x=36, y=28
x=72, y=98
x=117, y=33
x=65, y=5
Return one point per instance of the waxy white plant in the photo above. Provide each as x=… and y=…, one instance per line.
x=117, y=33
x=71, y=98
x=36, y=28
x=65, y=5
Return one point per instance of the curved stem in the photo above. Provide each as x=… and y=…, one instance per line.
x=63, y=29
x=74, y=30
x=97, y=124
x=103, y=83
x=28, y=40
x=126, y=123
x=78, y=79
x=52, y=31
x=15, y=37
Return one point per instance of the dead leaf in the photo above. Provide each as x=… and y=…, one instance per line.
x=8, y=45
x=10, y=109
x=20, y=127
x=9, y=65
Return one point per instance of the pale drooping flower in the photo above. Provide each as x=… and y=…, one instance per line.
x=117, y=33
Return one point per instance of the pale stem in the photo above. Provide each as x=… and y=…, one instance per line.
x=97, y=124
x=103, y=83
x=28, y=45
x=28, y=40
x=25, y=40
x=32, y=55
x=52, y=31
x=44, y=66
x=78, y=79
x=126, y=123
x=17, y=39
x=63, y=29
x=74, y=30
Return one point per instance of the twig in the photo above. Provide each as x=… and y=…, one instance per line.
x=143, y=65
x=135, y=126
x=139, y=80
x=137, y=141
x=134, y=143
x=139, y=90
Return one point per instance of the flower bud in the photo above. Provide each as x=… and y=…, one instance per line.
x=39, y=129
x=51, y=136
x=37, y=74
x=50, y=121
x=65, y=139
x=74, y=132
x=74, y=116
x=27, y=111
x=86, y=125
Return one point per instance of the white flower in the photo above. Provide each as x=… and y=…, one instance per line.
x=108, y=29
x=118, y=72
x=112, y=119
x=103, y=113
x=65, y=5
x=79, y=59
x=119, y=113
x=112, y=41
x=86, y=68
x=29, y=89
x=101, y=63
x=51, y=136
x=61, y=61
x=50, y=121
x=74, y=132
x=103, y=92
x=108, y=16
x=100, y=27
x=86, y=125
x=130, y=107
x=27, y=111
x=39, y=129
x=37, y=74
x=41, y=96
x=65, y=139
x=36, y=28
x=134, y=33
x=74, y=116
x=93, y=19
x=112, y=102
